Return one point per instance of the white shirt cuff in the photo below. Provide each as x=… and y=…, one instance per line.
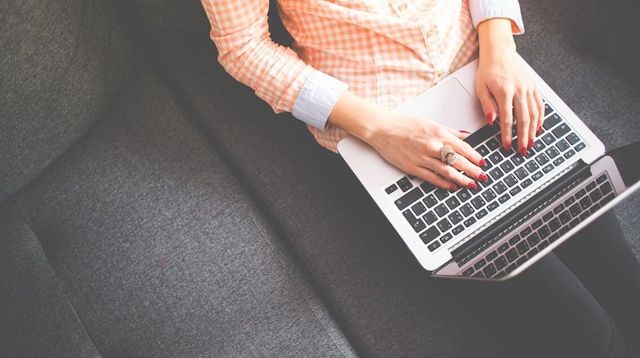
x=317, y=97
x=487, y=9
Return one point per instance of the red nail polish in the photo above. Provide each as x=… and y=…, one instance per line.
x=530, y=144
x=482, y=163
x=539, y=129
x=507, y=147
x=465, y=132
x=484, y=177
x=490, y=118
x=472, y=185
x=453, y=187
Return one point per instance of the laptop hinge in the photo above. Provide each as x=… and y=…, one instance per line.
x=512, y=220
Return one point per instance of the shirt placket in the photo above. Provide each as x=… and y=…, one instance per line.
x=430, y=35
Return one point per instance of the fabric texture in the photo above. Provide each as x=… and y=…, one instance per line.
x=482, y=10
x=159, y=250
x=62, y=63
x=386, y=51
x=36, y=320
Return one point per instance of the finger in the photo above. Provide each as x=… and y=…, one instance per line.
x=449, y=173
x=464, y=149
x=470, y=169
x=488, y=104
x=433, y=178
x=540, y=104
x=522, y=116
x=533, y=115
x=505, y=105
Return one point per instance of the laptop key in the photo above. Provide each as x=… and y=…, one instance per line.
x=430, y=234
x=565, y=217
x=446, y=237
x=464, y=195
x=500, y=262
x=390, y=189
x=479, y=264
x=499, y=188
x=444, y=225
x=482, y=213
x=430, y=201
x=489, y=270
x=521, y=173
x=429, y=218
x=493, y=144
x=496, y=173
x=561, y=130
x=562, y=145
x=488, y=195
x=533, y=239
x=416, y=223
x=552, y=152
x=531, y=166
x=441, y=193
x=558, y=161
x=457, y=230
x=452, y=202
x=548, y=138
x=493, y=206
x=580, y=147
x=569, y=154
x=502, y=248
x=482, y=149
x=601, y=179
x=477, y=202
x=441, y=210
x=511, y=255
x=404, y=184
x=548, y=216
x=515, y=190
x=554, y=224
x=510, y=180
x=507, y=166
x=606, y=188
x=547, y=168
x=495, y=157
x=433, y=246
x=418, y=208
x=470, y=221
x=468, y=272
x=514, y=240
x=466, y=210
x=539, y=145
x=492, y=255
x=573, y=138
x=503, y=199
x=522, y=247
x=537, y=175
x=409, y=198
x=551, y=121
x=526, y=183
x=575, y=210
x=455, y=217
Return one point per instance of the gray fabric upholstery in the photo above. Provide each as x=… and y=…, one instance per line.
x=62, y=62
x=36, y=320
x=159, y=250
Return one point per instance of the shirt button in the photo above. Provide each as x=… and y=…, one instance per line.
x=439, y=74
x=432, y=32
x=402, y=6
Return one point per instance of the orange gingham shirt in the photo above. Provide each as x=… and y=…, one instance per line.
x=386, y=51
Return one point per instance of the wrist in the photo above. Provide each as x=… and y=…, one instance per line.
x=356, y=116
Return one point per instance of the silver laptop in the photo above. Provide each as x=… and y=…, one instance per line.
x=530, y=204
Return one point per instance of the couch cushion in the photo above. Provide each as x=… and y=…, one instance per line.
x=160, y=251
x=36, y=320
x=62, y=62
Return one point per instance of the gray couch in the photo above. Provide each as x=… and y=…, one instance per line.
x=150, y=206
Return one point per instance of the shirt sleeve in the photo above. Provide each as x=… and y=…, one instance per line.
x=487, y=9
x=240, y=31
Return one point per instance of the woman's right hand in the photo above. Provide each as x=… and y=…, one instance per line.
x=413, y=145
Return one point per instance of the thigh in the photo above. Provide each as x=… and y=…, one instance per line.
x=601, y=257
x=545, y=312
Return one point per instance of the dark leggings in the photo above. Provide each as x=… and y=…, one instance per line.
x=581, y=301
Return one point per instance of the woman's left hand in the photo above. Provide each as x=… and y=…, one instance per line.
x=505, y=86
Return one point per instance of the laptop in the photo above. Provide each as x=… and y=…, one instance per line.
x=529, y=205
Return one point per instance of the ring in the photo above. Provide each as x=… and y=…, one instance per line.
x=448, y=155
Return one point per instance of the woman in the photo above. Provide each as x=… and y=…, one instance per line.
x=353, y=61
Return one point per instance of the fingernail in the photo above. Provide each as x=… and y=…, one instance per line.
x=523, y=151
x=490, y=118
x=530, y=144
x=453, y=187
x=539, y=130
x=507, y=147
x=472, y=185
x=464, y=131
x=484, y=177
x=482, y=162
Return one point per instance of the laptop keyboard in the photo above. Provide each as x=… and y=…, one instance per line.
x=532, y=238
x=438, y=215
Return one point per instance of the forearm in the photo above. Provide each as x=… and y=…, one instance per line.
x=495, y=36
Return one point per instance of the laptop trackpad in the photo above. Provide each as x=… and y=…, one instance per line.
x=449, y=104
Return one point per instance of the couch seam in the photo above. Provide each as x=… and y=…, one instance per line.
x=16, y=205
